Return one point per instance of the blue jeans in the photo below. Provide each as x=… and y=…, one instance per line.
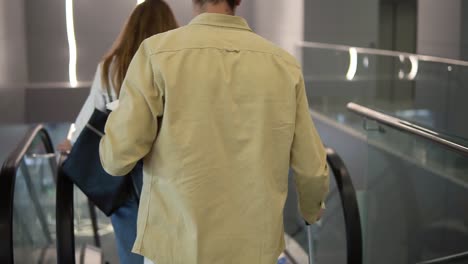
x=124, y=221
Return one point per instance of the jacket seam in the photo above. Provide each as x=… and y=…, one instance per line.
x=142, y=241
x=218, y=48
x=239, y=27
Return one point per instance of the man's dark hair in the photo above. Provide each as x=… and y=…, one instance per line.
x=231, y=3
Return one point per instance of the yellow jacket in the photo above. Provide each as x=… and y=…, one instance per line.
x=235, y=117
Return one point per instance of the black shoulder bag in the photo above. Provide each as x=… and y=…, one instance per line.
x=83, y=167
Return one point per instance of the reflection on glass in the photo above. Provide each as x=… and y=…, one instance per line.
x=414, y=192
x=388, y=81
x=414, y=67
x=410, y=191
x=34, y=237
x=365, y=62
x=352, y=64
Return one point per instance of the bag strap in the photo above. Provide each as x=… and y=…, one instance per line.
x=109, y=94
x=136, y=192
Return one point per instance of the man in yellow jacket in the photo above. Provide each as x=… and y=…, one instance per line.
x=219, y=115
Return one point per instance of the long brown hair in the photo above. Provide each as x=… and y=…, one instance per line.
x=149, y=18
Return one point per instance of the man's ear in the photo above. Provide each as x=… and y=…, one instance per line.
x=238, y=2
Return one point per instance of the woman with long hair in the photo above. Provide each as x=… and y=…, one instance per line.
x=149, y=18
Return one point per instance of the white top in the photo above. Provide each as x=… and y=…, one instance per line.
x=97, y=99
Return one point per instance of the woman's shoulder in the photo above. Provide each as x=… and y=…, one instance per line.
x=98, y=83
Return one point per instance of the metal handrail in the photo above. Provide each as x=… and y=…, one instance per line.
x=7, y=188
x=447, y=259
x=380, y=52
x=406, y=126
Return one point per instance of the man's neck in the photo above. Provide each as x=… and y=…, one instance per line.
x=220, y=8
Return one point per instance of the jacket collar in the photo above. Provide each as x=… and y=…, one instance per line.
x=220, y=20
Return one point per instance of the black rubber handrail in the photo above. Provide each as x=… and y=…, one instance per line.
x=65, y=216
x=7, y=188
x=94, y=223
x=350, y=205
x=66, y=248
x=345, y=189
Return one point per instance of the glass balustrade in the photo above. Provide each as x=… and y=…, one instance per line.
x=415, y=195
x=425, y=90
x=34, y=237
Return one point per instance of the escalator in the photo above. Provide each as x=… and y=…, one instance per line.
x=45, y=219
x=27, y=204
x=35, y=221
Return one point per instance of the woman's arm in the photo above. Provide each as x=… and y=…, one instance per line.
x=96, y=100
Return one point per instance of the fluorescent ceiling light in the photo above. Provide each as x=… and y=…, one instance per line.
x=71, y=43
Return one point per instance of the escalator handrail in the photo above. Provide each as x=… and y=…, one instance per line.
x=65, y=217
x=406, y=126
x=352, y=218
x=7, y=187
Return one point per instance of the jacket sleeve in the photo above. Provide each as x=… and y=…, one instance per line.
x=131, y=129
x=308, y=160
